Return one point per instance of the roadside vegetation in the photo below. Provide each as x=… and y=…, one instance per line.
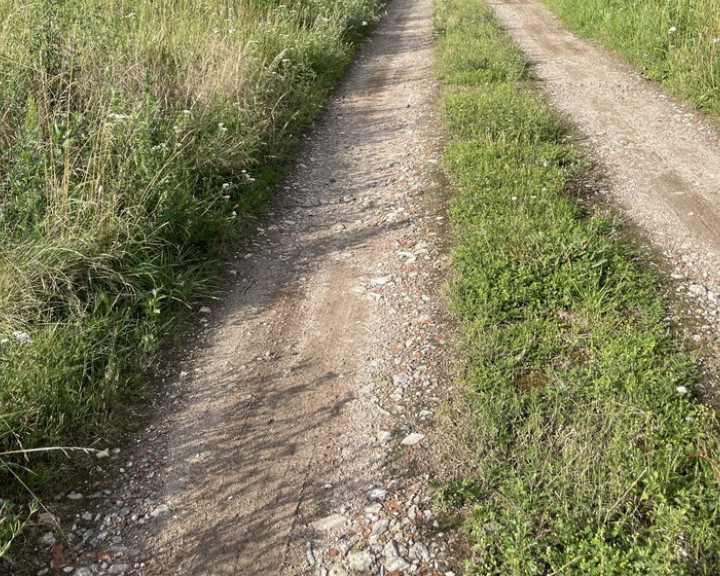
x=588, y=450
x=674, y=41
x=136, y=138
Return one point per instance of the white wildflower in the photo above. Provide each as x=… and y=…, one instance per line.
x=672, y=30
x=681, y=389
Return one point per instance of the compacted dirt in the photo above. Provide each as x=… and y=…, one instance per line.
x=295, y=435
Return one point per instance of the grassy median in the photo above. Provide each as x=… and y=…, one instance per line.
x=590, y=452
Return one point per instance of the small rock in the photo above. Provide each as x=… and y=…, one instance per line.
x=162, y=509
x=381, y=281
x=87, y=516
x=103, y=453
x=392, y=560
x=412, y=439
x=380, y=527
x=22, y=337
x=47, y=519
x=75, y=496
x=374, y=509
x=83, y=572
x=377, y=494
x=419, y=552
x=360, y=562
x=119, y=568
x=697, y=289
x=205, y=310
x=401, y=379
x=47, y=539
x=329, y=523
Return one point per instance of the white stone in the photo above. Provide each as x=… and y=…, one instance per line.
x=360, y=562
x=162, y=509
x=412, y=439
x=377, y=493
x=329, y=523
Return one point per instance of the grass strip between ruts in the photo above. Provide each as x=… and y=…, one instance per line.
x=590, y=452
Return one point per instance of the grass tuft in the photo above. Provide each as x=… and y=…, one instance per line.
x=591, y=454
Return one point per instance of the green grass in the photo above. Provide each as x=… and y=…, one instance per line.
x=590, y=452
x=136, y=139
x=674, y=41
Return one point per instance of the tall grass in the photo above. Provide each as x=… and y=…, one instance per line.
x=588, y=451
x=135, y=138
x=674, y=41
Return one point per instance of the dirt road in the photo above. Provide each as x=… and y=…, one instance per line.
x=325, y=355
x=278, y=427
x=662, y=159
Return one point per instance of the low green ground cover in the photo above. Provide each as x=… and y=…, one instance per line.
x=135, y=138
x=674, y=41
x=590, y=452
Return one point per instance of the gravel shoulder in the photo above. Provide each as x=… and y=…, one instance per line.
x=662, y=159
x=292, y=434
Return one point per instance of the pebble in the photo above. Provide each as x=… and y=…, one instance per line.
x=393, y=562
x=412, y=439
x=75, y=496
x=329, y=523
x=377, y=494
x=205, y=310
x=162, y=509
x=47, y=539
x=360, y=562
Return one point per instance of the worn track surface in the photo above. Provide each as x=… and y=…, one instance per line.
x=662, y=159
x=276, y=426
